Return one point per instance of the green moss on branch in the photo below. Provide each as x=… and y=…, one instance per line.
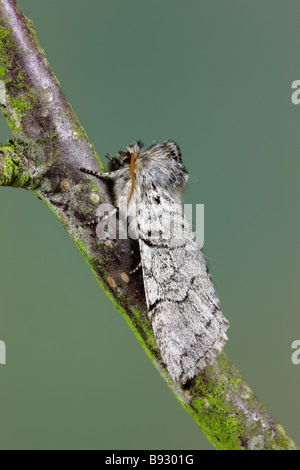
x=14, y=168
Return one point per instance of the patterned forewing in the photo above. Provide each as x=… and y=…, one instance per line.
x=187, y=321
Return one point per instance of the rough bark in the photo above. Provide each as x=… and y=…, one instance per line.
x=45, y=156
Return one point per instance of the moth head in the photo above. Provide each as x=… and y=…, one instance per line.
x=124, y=157
x=168, y=150
x=158, y=165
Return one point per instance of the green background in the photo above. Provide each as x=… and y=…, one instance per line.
x=215, y=76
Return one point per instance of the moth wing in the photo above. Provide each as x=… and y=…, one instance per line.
x=183, y=306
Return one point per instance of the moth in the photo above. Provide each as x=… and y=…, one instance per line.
x=184, y=309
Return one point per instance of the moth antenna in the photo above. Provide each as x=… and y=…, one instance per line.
x=107, y=155
x=132, y=175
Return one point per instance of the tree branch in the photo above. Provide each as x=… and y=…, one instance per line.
x=49, y=148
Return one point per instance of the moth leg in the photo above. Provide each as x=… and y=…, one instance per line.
x=100, y=218
x=104, y=176
x=95, y=173
x=93, y=222
x=136, y=268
